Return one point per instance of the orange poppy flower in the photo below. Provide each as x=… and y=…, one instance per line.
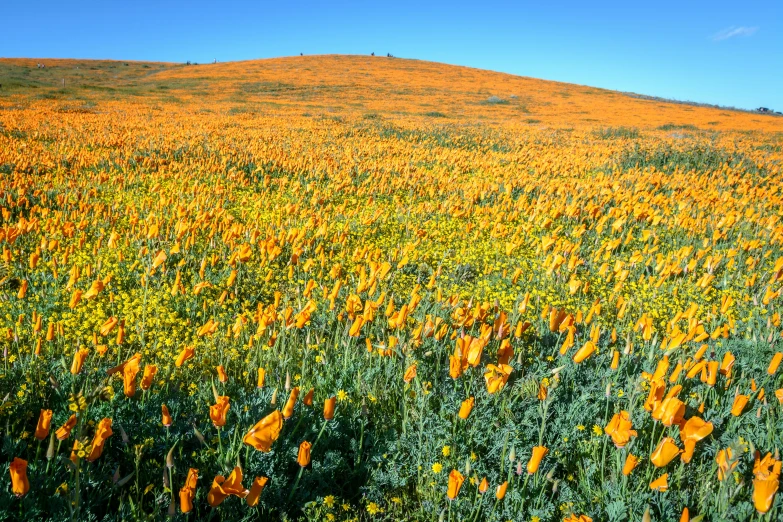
x=95, y=288
x=664, y=452
x=670, y=411
x=474, y=350
x=505, y=352
x=166, y=416
x=20, y=485
x=223, y=487
x=661, y=483
x=740, y=401
x=584, y=352
x=410, y=373
x=261, y=377
x=265, y=432
x=694, y=430
x=774, y=363
x=619, y=428
x=455, y=483
x=657, y=389
x=188, y=491
x=615, y=360
x=288, y=410
x=218, y=411
x=65, y=430
x=149, y=373
x=108, y=326
x=766, y=482
x=129, y=372
x=102, y=432
x=496, y=377
x=726, y=463
x=308, y=398
x=135, y=359
x=727, y=363
x=78, y=360
x=455, y=366
x=76, y=298
x=501, y=491
x=186, y=353
x=303, y=457
x=44, y=424
x=160, y=258
x=535, y=459
x=466, y=407
x=631, y=461
x=222, y=377
x=329, y=406
x=255, y=490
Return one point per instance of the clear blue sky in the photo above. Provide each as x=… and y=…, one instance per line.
x=723, y=52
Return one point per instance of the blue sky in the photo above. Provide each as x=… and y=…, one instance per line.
x=728, y=53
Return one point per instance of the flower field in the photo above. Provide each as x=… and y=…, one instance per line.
x=342, y=288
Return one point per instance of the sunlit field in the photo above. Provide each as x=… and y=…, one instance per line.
x=355, y=288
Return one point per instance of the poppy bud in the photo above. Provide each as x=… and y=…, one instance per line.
x=199, y=436
x=170, y=457
x=50, y=450
x=124, y=436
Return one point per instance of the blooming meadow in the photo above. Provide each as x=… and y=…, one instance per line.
x=266, y=309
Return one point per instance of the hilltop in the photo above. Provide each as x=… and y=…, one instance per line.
x=337, y=86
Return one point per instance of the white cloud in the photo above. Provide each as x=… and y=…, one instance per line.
x=731, y=32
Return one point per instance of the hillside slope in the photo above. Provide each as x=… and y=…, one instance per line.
x=359, y=85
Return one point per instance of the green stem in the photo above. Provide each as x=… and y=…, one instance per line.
x=296, y=484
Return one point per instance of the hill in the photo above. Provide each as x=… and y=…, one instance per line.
x=358, y=85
